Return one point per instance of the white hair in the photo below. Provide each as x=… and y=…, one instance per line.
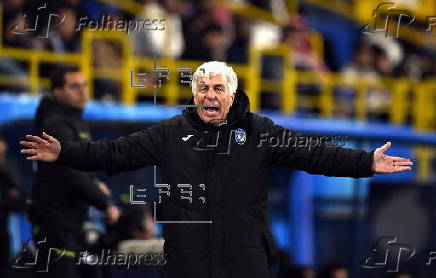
x=213, y=68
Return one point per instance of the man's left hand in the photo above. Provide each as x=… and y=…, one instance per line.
x=112, y=214
x=104, y=188
x=385, y=164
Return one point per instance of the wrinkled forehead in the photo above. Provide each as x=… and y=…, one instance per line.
x=213, y=79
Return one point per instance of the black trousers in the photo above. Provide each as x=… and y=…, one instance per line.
x=56, y=252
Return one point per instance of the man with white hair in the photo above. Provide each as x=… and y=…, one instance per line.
x=215, y=146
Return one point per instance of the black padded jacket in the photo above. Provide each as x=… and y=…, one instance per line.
x=226, y=168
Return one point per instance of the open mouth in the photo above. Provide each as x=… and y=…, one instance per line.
x=211, y=111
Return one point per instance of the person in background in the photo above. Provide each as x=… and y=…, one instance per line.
x=297, y=35
x=135, y=225
x=238, y=50
x=361, y=68
x=165, y=37
x=12, y=198
x=64, y=38
x=212, y=45
x=61, y=195
x=304, y=57
x=361, y=65
x=382, y=64
x=134, y=234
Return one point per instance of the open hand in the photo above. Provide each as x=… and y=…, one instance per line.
x=385, y=164
x=47, y=149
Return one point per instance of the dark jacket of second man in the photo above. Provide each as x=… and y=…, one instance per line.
x=63, y=195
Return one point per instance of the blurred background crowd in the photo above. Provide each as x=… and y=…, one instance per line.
x=202, y=30
x=306, y=59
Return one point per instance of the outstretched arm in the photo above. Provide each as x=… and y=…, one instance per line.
x=336, y=161
x=126, y=153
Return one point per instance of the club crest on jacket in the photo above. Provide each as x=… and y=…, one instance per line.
x=240, y=136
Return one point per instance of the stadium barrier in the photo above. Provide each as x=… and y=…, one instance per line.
x=419, y=106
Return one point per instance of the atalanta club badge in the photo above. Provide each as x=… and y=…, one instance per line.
x=240, y=136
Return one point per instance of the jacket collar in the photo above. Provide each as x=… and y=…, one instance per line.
x=49, y=107
x=238, y=112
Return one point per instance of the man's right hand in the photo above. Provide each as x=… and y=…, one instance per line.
x=47, y=149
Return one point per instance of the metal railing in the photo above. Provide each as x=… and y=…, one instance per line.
x=362, y=13
x=419, y=105
x=407, y=98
